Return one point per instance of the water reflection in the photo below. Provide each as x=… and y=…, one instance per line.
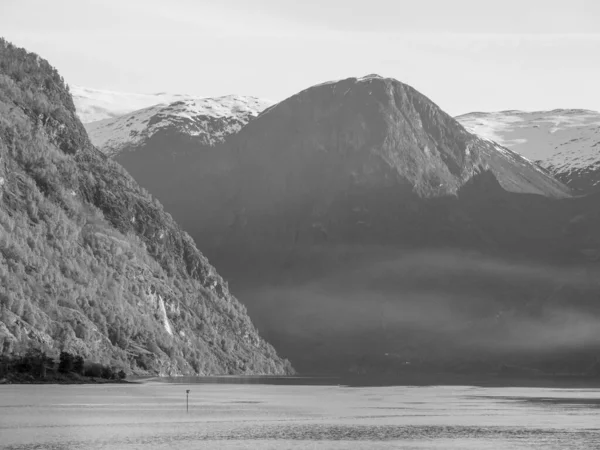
x=295, y=413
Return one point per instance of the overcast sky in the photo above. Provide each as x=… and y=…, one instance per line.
x=466, y=55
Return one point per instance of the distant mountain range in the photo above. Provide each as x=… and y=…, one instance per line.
x=566, y=142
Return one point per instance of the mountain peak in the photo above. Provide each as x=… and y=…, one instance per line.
x=374, y=131
x=372, y=76
x=375, y=127
x=208, y=121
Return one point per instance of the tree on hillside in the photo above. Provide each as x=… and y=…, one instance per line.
x=78, y=363
x=66, y=362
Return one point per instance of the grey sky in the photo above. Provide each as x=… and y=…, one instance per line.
x=466, y=55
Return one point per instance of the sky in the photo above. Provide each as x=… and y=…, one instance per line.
x=465, y=55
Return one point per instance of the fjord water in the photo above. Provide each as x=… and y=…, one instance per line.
x=152, y=415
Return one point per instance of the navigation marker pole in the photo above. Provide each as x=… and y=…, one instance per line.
x=187, y=400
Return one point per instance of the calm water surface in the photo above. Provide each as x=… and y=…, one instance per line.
x=279, y=415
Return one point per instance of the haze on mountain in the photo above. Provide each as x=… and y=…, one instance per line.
x=90, y=263
x=365, y=229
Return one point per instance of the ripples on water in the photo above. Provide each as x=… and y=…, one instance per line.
x=234, y=416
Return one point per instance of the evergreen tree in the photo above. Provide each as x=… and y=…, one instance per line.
x=78, y=364
x=66, y=362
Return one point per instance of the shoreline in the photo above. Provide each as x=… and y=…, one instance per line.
x=357, y=381
x=64, y=380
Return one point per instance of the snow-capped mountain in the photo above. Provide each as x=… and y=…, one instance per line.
x=564, y=141
x=303, y=159
x=208, y=121
x=96, y=104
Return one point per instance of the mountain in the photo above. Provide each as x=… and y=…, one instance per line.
x=96, y=104
x=207, y=121
x=566, y=142
x=157, y=144
x=368, y=231
x=165, y=146
x=360, y=134
x=90, y=263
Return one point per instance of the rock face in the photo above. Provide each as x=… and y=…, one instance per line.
x=89, y=262
x=566, y=142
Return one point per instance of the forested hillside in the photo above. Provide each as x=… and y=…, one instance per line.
x=90, y=263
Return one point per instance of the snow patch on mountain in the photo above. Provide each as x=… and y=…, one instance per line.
x=491, y=126
x=535, y=134
x=96, y=104
x=565, y=142
x=208, y=120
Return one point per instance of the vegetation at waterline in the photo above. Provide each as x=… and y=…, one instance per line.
x=37, y=366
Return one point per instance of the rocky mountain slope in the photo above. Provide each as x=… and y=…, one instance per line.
x=368, y=230
x=90, y=263
x=566, y=142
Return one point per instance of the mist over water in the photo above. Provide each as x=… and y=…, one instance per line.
x=418, y=302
